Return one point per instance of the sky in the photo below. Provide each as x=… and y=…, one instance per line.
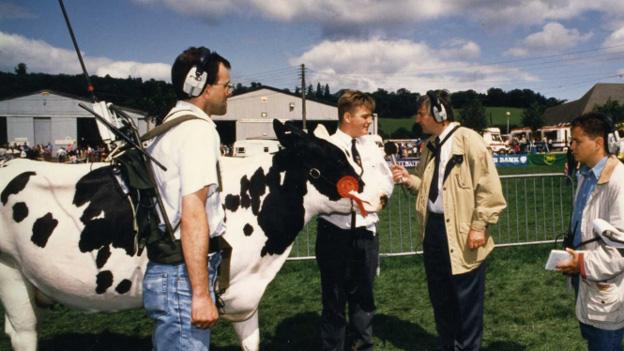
x=555, y=47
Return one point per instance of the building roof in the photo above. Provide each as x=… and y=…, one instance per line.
x=266, y=103
x=47, y=92
x=599, y=94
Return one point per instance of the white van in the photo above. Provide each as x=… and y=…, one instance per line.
x=559, y=136
x=494, y=141
x=253, y=147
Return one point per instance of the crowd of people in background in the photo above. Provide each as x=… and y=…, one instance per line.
x=65, y=154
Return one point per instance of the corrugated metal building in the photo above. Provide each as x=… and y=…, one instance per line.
x=599, y=94
x=250, y=115
x=50, y=117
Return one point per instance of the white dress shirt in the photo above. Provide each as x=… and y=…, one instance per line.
x=376, y=175
x=190, y=152
x=445, y=155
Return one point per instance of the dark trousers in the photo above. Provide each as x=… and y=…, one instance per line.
x=457, y=299
x=347, y=260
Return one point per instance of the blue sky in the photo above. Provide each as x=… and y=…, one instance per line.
x=556, y=47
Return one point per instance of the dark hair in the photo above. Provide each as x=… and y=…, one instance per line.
x=444, y=98
x=595, y=124
x=351, y=99
x=193, y=56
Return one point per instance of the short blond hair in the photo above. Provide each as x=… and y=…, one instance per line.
x=351, y=99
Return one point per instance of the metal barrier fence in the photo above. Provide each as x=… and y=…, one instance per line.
x=538, y=210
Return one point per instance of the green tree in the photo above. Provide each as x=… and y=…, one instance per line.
x=533, y=116
x=613, y=109
x=21, y=69
x=473, y=115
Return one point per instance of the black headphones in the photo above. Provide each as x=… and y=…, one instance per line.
x=437, y=109
x=200, y=74
x=609, y=129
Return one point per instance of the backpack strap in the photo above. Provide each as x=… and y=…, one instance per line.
x=166, y=126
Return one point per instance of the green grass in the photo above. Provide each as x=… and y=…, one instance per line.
x=526, y=308
x=497, y=114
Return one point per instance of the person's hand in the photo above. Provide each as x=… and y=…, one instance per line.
x=570, y=266
x=399, y=173
x=476, y=238
x=204, y=313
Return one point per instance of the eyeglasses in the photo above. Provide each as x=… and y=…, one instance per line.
x=229, y=86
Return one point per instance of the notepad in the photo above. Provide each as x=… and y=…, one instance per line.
x=555, y=257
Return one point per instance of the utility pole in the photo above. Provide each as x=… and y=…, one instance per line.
x=303, y=96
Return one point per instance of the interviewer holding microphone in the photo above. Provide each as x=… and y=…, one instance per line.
x=459, y=195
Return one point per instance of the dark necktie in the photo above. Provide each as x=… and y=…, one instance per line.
x=355, y=154
x=356, y=157
x=433, y=190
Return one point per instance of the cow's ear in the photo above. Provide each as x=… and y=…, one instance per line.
x=284, y=135
x=321, y=132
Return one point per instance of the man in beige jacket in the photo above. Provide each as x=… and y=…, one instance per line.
x=597, y=269
x=459, y=195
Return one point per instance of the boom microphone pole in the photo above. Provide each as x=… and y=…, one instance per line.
x=73, y=38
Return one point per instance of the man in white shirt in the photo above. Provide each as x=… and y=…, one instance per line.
x=347, y=246
x=179, y=296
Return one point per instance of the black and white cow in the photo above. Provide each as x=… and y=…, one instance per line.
x=66, y=231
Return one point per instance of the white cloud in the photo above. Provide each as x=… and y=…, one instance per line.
x=615, y=41
x=12, y=11
x=40, y=56
x=392, y=64
x=343, y=15
x=554, y=37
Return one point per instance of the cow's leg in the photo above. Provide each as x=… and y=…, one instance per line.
x=248, y=333
x=18, y=299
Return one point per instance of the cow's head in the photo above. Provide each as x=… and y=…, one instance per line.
x=320, y=162
x=302, y=183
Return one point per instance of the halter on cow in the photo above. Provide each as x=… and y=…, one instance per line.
x=65, y=231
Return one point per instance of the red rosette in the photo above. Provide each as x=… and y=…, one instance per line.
x=345, y=186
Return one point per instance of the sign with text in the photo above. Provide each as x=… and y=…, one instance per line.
x=512, y=160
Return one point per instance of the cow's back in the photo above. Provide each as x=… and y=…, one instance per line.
x=62, y=225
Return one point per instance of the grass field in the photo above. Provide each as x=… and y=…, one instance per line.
x=526, y=308
x=496, y=116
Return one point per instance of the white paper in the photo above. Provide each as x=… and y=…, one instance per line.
x=555, y=257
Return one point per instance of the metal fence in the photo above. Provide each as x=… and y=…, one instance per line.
x=538, y=210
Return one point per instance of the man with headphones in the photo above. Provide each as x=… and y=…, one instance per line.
x=596, y=271
x=179, y=293
x=459, y=195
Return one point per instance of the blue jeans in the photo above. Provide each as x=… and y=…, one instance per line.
x=167, y=301
x=601, y=339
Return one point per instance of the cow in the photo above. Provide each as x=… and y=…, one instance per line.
x=67, y=231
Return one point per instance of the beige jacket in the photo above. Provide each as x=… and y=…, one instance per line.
x=472, y=195
x=600, y=300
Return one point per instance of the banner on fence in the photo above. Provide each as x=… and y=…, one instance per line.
x=549, y=159
x=512, y=160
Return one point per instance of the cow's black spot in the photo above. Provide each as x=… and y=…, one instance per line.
x=257, y=188
x=282, y=212
x=124, y=286
x=103, y=281
x=251, y=190
x=42, y=229
x=102, y=256
x=245, y=200
x=16, y=185
x=248, y=229
x=114, y=222
x=232, y=202
x=20, y=211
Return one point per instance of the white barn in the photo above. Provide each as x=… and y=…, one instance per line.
x=48, y=116
x=250, y=115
